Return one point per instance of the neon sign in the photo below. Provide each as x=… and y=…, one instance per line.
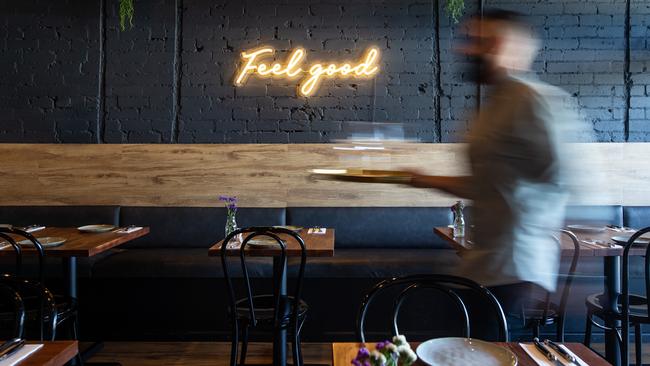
x=312, y=76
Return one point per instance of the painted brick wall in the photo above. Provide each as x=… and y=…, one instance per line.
x=69, y=74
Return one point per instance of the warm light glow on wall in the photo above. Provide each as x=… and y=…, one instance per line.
x=312, y=76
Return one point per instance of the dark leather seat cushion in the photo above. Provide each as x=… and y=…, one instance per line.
x=191, y=227
x=637, y=217
x=66, y=216
x=595, y=214
x=376, y=227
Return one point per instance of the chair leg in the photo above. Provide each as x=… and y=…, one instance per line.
x=296, y=346
x=638, y=344
x=536, y=330
x=587, y=341
x=235, y=342
x=244, y=343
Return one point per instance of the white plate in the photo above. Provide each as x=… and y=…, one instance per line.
x=46, y=242
x=464, y=351
x=96, y=228
x=644, y=239
x=586, y=228
x=263, y=242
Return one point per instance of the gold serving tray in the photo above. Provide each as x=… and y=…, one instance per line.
x=363, y=175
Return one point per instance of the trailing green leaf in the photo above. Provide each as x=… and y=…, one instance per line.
x=455, y=9
x=126, y=13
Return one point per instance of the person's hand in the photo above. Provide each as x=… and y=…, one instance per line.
x=418, y=179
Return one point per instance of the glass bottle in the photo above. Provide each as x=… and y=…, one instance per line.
x=459, y=220
x=231, y=223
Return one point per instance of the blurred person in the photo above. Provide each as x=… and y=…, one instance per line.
x=518, y=163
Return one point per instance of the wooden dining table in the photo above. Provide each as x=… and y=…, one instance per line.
x=52, y=353
x=611, y=267
x=344, y=353
x=316, y=245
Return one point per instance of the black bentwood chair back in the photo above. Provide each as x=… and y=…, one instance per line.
x=641, y=313
x=448, y=285
x=277, y=311
x=42, y=310
x=547, y=312
x=11, y=300
x=41, y=305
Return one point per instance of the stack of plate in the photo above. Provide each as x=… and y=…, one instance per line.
x=464, y=351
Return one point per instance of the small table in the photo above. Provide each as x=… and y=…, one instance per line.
x=344, y=353
x=56, y=353
x=612, y=270
x=316, y=245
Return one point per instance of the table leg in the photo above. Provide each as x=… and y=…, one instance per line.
x=70, y=269
x=280, y=338
x=612, y=266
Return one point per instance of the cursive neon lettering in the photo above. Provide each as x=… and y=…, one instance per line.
x=312, y=76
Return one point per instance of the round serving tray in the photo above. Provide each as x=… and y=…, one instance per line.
x=363, y=175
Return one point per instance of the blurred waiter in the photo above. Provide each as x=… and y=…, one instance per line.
x=517, y=160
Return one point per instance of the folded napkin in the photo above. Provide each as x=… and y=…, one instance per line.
x=541, y=360
x=24, y=352
x=128, y=229
x=317, y=231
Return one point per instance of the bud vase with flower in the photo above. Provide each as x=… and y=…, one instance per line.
x=231, y=207
x=459, y=219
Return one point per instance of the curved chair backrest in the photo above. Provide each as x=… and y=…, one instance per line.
x=47, y=302
x=12, y=298
x=447, y=285
x=625, y=333
x=19, y=252
x=566, y=289
x=274, y=233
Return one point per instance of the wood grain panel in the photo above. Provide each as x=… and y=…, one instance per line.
x=275, y=175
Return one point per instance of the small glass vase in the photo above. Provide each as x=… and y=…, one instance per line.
x=231, y=222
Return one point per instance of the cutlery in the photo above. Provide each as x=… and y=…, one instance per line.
x=10, y=347
x=566, y=355
x=599, y=243
x=546, y=352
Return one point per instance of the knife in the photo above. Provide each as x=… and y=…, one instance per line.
x=10, y=347
x=546, y=352
x=566, y=355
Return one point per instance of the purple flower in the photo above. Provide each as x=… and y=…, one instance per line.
x=382, y=345
x=363, y=353
x=230, y=202
x=356, y=362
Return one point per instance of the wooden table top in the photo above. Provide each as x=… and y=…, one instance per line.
x=80, y=244
x=56, y=353
x=344, y=353
x=586, y=250
x=317, y=245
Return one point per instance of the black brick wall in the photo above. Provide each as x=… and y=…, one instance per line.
x=69, y=75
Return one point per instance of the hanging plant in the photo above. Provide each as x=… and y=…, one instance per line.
x=126, y=13
x=455, y=9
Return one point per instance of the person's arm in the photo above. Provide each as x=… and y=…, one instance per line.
x=458, y=186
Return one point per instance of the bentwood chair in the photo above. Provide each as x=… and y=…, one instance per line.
x=273, y=312
x=49, y=311
x=547, y=312
x=13, y=303
x=452, y=287
x=632, y=308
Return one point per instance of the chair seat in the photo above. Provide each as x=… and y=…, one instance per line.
x=264, y=308
x=535, y=312
x=638, y=307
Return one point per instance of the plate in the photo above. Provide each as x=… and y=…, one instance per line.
x=262, y=242
x=290, y=227
x=363, y=175
x=46, y=242
x=586, y=228
x=464, y=351
x=644, y=239
x=95, y=228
